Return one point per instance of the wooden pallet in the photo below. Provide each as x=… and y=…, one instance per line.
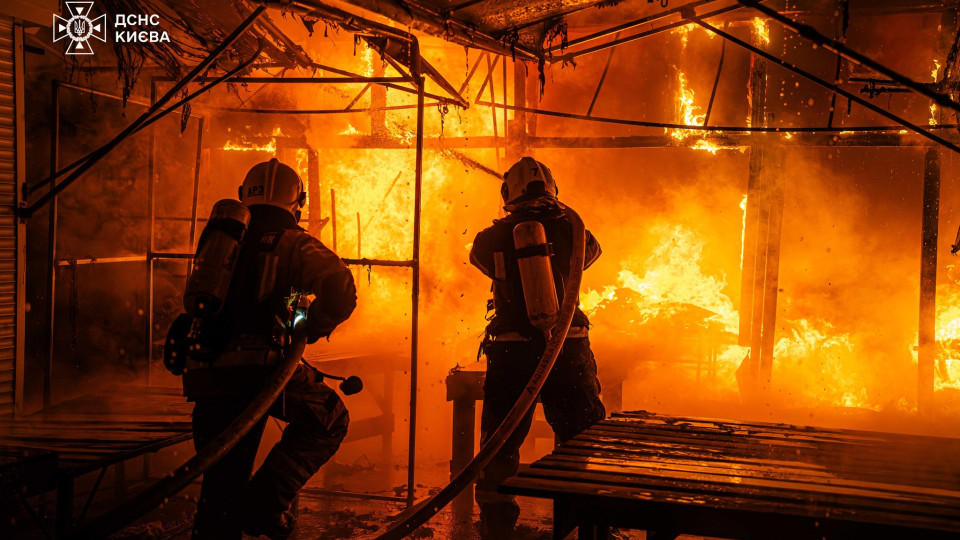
x=728, y=479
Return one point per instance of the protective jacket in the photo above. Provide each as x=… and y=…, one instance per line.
x=494, y=254
x=278, y=258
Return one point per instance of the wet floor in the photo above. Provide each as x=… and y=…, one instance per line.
x=327, y=517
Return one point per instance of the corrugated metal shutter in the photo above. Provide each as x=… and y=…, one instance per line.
x=8, y=220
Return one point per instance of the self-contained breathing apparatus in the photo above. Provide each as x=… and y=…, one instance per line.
x=533, y=254
x=207, y=286
x=194, y=335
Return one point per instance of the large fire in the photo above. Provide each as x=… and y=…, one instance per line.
x=664, y=291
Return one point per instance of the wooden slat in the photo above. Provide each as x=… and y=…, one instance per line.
x=821, y=474
x=93, y=431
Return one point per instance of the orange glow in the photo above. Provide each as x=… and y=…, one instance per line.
x=762, y=30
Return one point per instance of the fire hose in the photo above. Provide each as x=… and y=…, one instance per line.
x=425, y=510
x=158, y=493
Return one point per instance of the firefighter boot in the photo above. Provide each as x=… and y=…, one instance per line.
x=498, y=520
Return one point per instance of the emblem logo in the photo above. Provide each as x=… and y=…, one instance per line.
x=79, y=27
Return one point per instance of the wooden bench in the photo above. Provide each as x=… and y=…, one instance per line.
x=672, y=475
x=89, y=434
x=50, y=449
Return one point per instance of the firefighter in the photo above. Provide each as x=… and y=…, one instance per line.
x=277, y=258
x=513, y=345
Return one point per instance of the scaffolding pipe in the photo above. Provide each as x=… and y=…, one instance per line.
x=196, y=186
x=333, y=219
x=52, y=247
x=724, y=129
x=927, y=345
x=151, y=225
x=415, y=291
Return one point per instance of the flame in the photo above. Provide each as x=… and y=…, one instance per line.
x=672, y=278
x=933, y=114
x=245, y=146
x=690, y=115
x=812, y=357
x=935, y=73
x=762, y=30
x=689, y=112
x=948, y=334
x=250, y=147
x=684, y=32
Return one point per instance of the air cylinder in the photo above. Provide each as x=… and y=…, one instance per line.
x=216, y=259
x=536, y=274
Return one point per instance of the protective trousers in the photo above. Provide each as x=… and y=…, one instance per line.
x=229, y=498
x=571, y=404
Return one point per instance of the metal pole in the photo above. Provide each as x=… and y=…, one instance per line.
x=333, y=218
x=755, y=230
x=313, y=193
x=52, y=246
x=603, y=77
x=151, y=223
x=927, y=350
x=773, y=186
x=506, y=125
x=415, y=296
x=493, y=112
x=196, y=185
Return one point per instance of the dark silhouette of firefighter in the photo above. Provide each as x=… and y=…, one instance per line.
x=245, y=319
x=526, y=253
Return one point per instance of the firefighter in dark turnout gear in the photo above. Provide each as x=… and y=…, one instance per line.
x=278, y=258
x=513, y=346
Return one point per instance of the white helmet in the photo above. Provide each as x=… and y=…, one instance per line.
x=517, y=181
x=275, y=184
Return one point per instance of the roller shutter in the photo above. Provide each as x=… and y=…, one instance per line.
x=8, y=220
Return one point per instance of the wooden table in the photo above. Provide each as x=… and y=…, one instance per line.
x=673, y=475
